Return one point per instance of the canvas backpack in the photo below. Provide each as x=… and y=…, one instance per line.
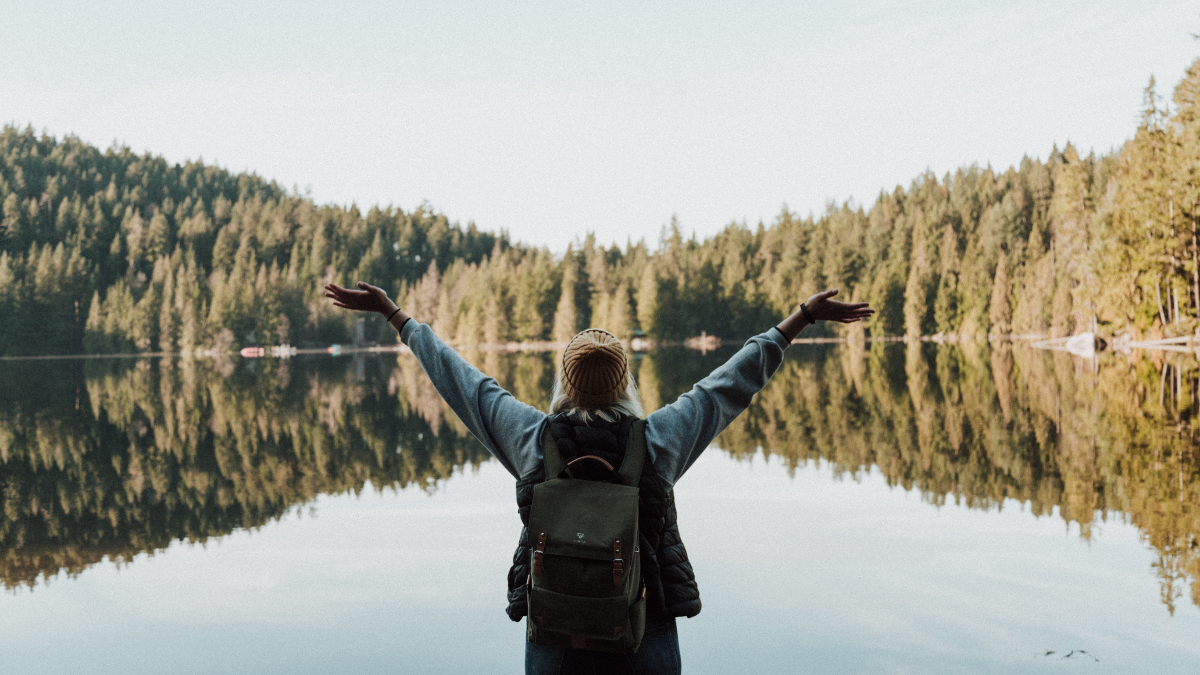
x=585, y=587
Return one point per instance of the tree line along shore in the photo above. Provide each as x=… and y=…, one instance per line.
x=109, y=251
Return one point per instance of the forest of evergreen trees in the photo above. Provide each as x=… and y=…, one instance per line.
x=110, y=251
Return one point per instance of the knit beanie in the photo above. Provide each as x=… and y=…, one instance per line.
x=595, y=369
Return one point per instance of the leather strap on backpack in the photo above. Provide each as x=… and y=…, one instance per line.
x=539, y=554
x=618, y=563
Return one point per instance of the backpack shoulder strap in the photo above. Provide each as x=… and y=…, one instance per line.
x=550, y=456
x=635, y=454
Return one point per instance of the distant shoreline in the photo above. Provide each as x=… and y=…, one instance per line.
x=704, y=343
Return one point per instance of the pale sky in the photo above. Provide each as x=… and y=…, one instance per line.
x=552, y=119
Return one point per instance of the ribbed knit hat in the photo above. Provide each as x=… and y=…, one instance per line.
x=595, y=369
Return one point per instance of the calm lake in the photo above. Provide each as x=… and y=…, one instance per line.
x=891, y=508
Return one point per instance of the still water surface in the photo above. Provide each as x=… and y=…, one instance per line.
x=899, y=508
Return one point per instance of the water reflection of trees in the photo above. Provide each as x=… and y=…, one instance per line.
x=980, y=425
x=111, y=459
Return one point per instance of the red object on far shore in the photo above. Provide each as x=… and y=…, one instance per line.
x=253, y=352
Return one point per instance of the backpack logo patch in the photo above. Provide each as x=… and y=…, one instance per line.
x=579, y=534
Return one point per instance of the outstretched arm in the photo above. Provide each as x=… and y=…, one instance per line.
x=508, y=428
x=678, y=433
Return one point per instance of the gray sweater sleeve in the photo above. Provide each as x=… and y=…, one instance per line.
x=676, y=434
x=508, y=428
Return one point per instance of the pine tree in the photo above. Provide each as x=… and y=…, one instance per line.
x=619, y=321
x=917, y=308
x=491, y=323
x=95, y=340
x=946, y=303
x=1000, y=307
x=648, y=303
x=1070, y=221
x=423, y=296
x=565, y=318
x=1187, y=121
x=168, y=318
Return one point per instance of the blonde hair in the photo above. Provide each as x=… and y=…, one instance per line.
x=629, y=403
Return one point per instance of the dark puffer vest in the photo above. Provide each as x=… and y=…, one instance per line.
x=670, y=582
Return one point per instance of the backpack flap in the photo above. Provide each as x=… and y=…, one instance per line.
x=582, y=518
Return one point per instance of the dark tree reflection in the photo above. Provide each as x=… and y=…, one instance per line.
x=108, y=459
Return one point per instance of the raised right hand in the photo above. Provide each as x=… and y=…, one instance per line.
x=368, y=299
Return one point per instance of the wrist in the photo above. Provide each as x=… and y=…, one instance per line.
x=398, y=318
x=804, y=312
x=791, y=326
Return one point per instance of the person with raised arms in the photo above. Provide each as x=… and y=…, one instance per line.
x=600, y=572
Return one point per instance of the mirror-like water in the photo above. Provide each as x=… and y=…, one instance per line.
x=913, y=508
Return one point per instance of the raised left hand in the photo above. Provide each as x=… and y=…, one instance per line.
x=823, y=308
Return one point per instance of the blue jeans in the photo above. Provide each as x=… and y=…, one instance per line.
x=657, y=655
